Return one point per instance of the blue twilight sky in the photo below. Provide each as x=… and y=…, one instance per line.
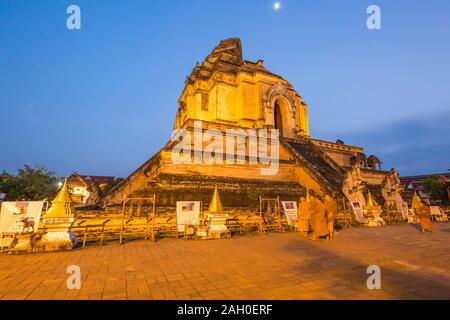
x=102, y=100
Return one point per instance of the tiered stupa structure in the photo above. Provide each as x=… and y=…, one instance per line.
x=226, y=92
x=58, y=221
x=215, y=205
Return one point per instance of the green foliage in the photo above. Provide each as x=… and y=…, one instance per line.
x=30, y=183
x=436, y=188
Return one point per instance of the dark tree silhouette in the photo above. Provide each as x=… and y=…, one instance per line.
x=30, y=183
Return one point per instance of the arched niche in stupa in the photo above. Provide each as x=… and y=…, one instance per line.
x=280, y=110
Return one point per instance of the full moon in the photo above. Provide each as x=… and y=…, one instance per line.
x=277, y=6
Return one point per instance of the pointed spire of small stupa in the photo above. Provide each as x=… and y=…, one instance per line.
x=61, y=203
x=416, y=202
x=369, y=200
x=63, y=194
x=215, y=205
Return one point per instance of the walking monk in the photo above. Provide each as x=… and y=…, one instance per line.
x=332, y=210
x=303, y=216
x=318, y=219
x=425, y=219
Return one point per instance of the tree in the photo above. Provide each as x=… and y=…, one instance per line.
x=6, y=182
x=30, y=183
x=436, y=188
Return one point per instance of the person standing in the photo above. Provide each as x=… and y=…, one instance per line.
x=332, y=210
x=425, y=219
x=303, y=216
x=318, y=219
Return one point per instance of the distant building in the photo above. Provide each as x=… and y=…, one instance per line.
x=86, y=190
x=415, y=183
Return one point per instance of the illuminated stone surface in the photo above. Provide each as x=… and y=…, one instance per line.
x=414, y=265
x=227, y=92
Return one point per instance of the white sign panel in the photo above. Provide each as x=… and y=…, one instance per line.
x=14, y=214
x=291, y=212
x=405, y=210
x=188, y=212
x=359, y=213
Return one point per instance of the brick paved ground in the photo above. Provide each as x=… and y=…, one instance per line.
x=259, y=266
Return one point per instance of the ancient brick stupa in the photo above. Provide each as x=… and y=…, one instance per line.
x=226, y=92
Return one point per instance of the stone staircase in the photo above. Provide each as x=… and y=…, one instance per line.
x=328, y=173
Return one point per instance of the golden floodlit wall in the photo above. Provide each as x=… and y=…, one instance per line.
x=246, y=101
x=225, y=93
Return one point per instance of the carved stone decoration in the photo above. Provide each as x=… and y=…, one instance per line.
x=373, y=162
x=391, y=184
x=276, y=91
x=391, y=190
x=353, y=183
x=354, y=188
x=259, y=124
x=297, y=130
